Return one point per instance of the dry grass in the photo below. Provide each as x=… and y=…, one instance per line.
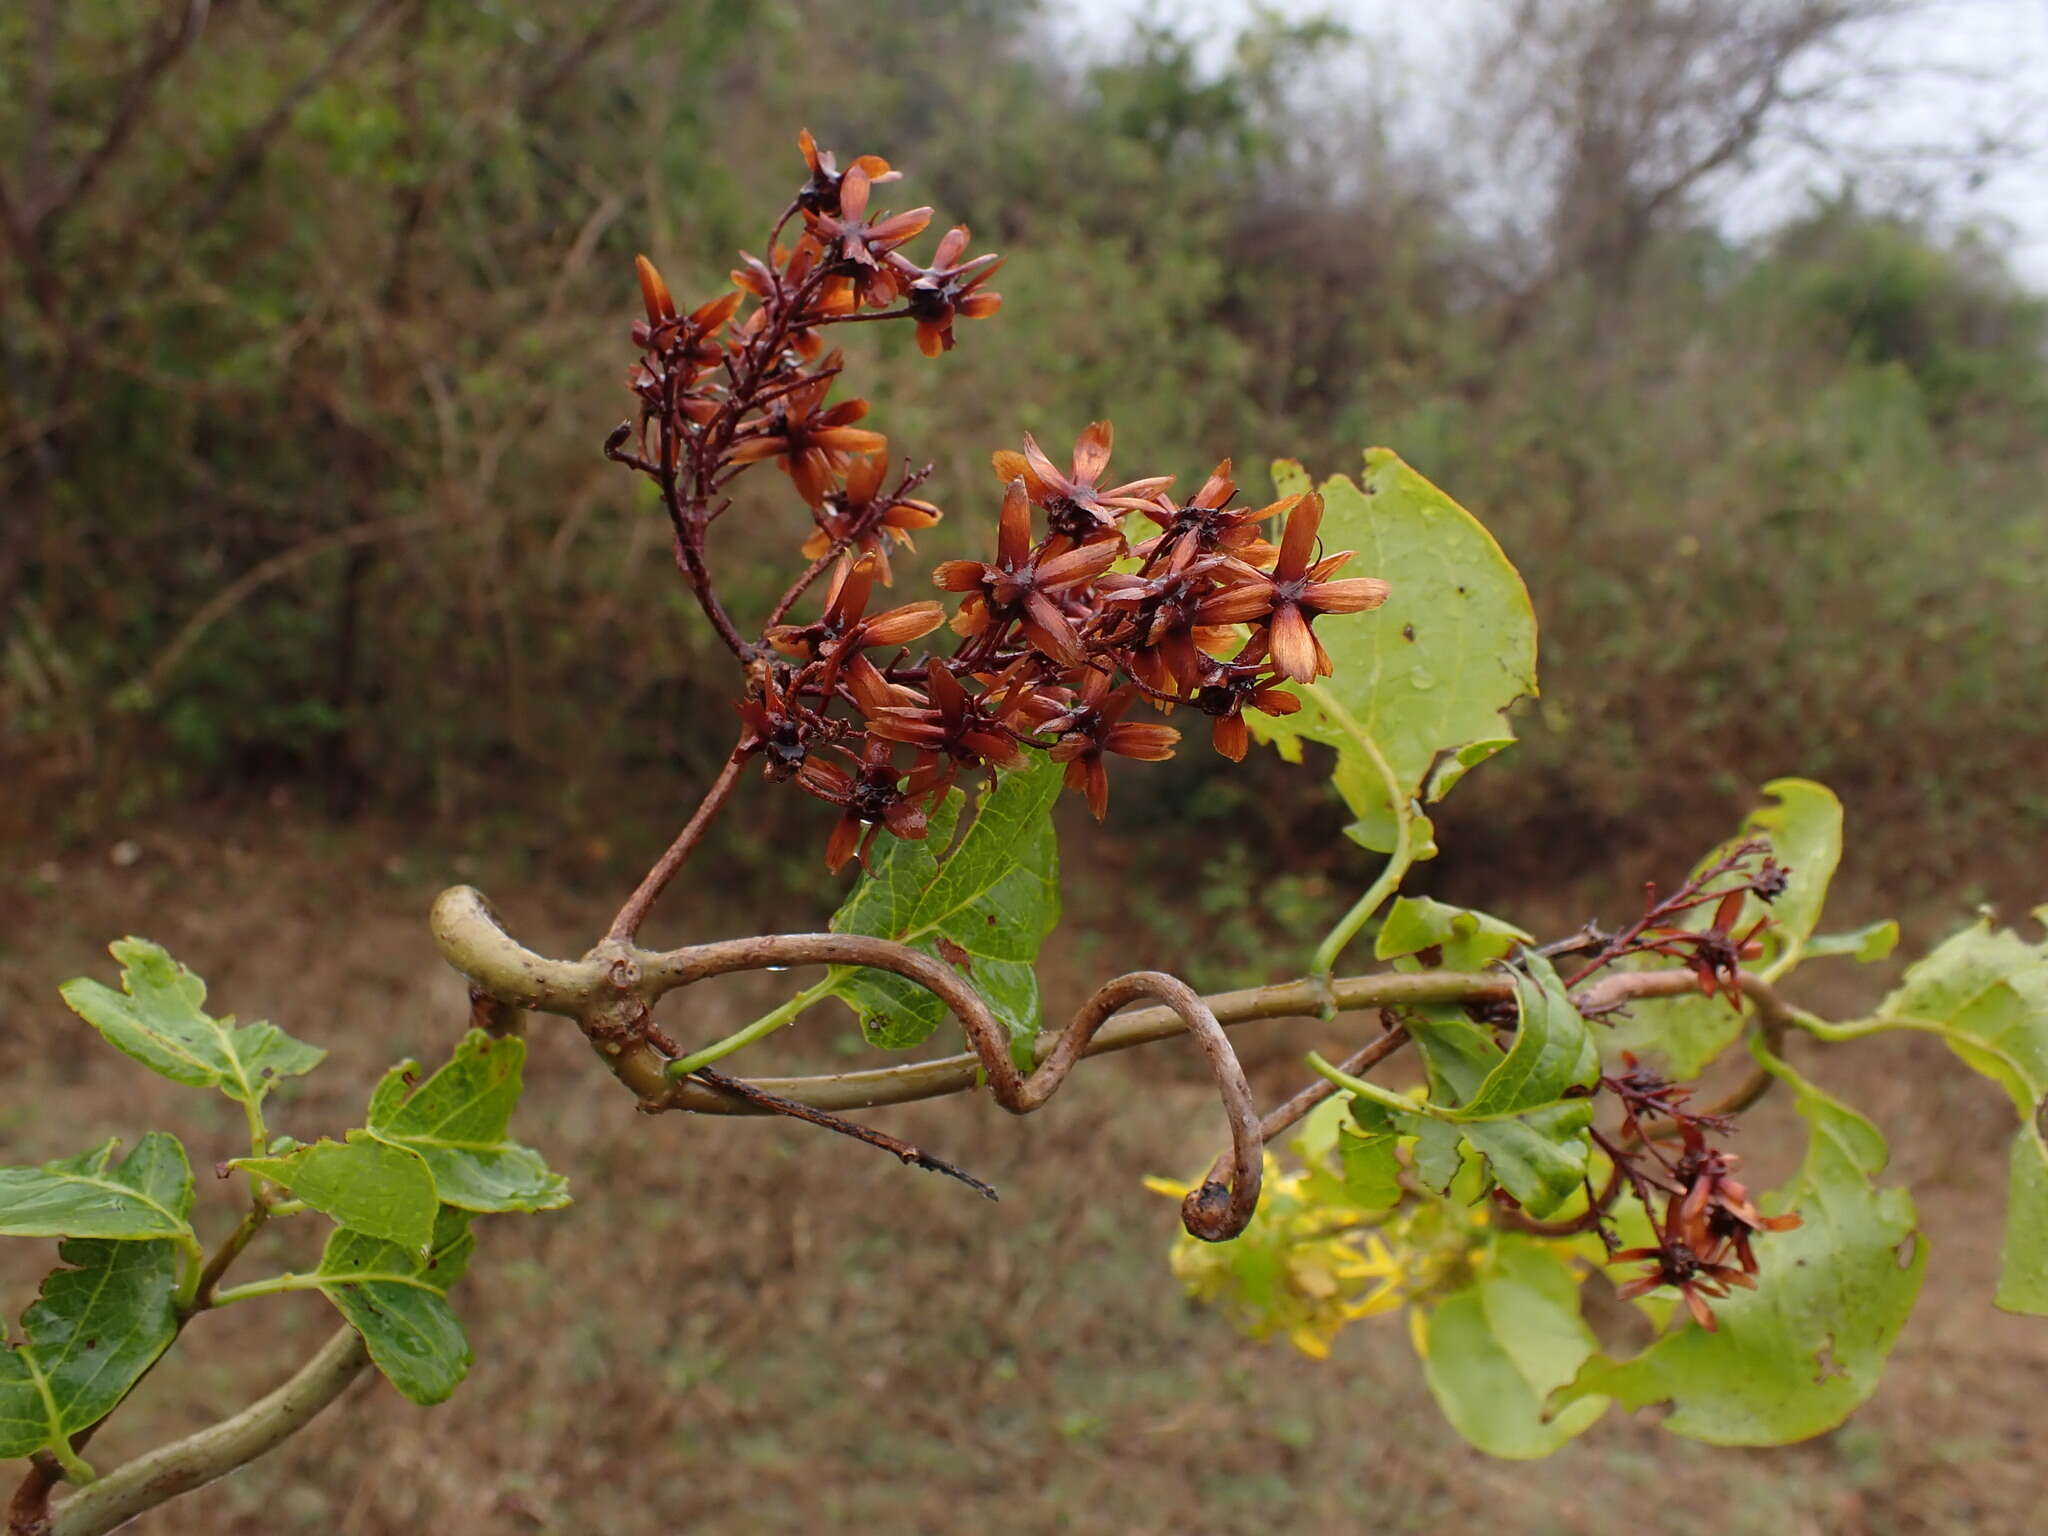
x=748, y=1327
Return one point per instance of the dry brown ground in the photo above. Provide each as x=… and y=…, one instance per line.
x=744, y=1327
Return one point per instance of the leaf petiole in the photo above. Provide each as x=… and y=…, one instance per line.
x=766, y=1025
x=1398, y=861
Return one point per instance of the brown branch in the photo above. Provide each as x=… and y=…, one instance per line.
x=136, y=95
x=818, y=1117
x=634, y=912
x=611, y=991
x=1218, y=1210
x=28, y=1512
x=152, y=678
x=251, y=147
x=1284, y=1117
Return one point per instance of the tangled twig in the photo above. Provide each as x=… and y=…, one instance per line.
x=611, y=991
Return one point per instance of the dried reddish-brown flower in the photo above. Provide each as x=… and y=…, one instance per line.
x=1210, y=525
x=870, y=799
x=1174, y=617
x=846, y=627
x=950, y=287
x=1024, y=584
x=1095, y=726
x=1228, y=694
x=1297, y=592
x=860, y=517
x=820, y=194
x=948, y=725
x=1077, y=508
x=1715, y=954
x=853, y=246
x=777, y=728
x=809, y=444
x=1694, y=1278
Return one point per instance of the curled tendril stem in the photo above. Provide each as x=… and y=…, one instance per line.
x=612, y=990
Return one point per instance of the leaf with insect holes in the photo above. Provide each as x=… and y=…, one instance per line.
x=457, y=1121
x=1494, y=1351
x=379, y=1190
x=1986, y=992
x=1797, y=1355
x=146, y=1195
x=1467, y=941
x=86, y=1339
x=397, y=1300
x=156, y=1018
x=985, y=907
x=1804, y=830
x=1426, y=677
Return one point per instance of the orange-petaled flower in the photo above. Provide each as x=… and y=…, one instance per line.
x=821, y=193
x=860, y=517
x=1176, y=615
x=1077, y=507
x=778, y=728
x=1296, y=592
x=846, y=627
x=870, y=799
x=949, y=726
x=811, y=446
x=679, y=337
x=1210, y=525
x=778, y=287
x=1024, y=584
x=1694, y=1278
x=1228, y=695
x=950, y=287
x=857, y=248
x=1095, y=726
x=1714, y=1213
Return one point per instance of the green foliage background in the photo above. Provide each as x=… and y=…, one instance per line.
x=331, y=345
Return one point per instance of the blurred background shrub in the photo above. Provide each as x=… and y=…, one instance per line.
x=313, y=316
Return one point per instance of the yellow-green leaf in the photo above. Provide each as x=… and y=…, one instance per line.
x=1428, y=676
x=1797, y=1355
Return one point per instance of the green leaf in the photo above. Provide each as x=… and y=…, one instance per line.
x=1685, y=1033
x=147, y=1195
x=397, y=1300
x=366, y=1185
x=1868, y=944
x=1986, y=994
x=1798, y=1354
x=1805, y=833
x=1511, y=1106
x=1366, y=1152
x=457, y=1121
x=1470, y=941
x=157, y=1019
x=1427, y=676
x=1553, y=1051
x=95, y=1328
x=1540, y=1157
x=985, y=908
x=1436, y=1152
x=1495, y=1351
